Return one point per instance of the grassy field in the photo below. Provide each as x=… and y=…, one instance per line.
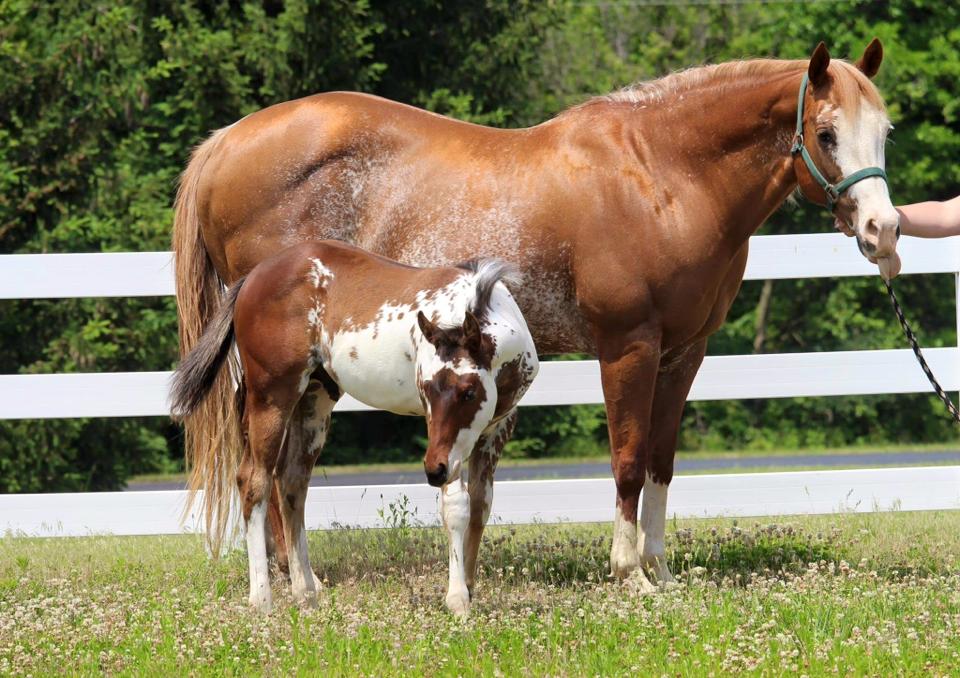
x=848, y=594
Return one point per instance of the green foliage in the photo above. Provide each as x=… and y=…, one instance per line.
x=100, y=104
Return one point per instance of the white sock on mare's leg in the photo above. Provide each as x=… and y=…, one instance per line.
x=653, y=523
x=456, y=518
x=624, y=558
x=260, y=596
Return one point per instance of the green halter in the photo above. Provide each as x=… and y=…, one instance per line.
x=833, y=191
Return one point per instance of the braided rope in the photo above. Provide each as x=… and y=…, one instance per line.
x=915, y=345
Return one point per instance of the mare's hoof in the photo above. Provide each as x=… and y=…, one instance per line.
x=638, y=582
x=623, y=563
x=656, y=568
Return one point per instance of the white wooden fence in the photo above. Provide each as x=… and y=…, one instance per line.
x=559, y=383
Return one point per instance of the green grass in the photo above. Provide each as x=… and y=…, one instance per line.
x=603, y=457
x=854, y=594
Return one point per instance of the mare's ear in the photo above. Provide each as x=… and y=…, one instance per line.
x=819, y=61
x=869, y=63
x=430, y=331
x=472, y=338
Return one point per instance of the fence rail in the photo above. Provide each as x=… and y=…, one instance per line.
x=515, y=502
x=45, y=276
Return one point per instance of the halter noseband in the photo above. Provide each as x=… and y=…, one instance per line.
x=833, y=191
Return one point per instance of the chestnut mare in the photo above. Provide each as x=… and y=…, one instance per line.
x=629, y=216
x=321, y=319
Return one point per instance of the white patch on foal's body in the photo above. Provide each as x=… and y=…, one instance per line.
x=320, y=275
x=377, y=363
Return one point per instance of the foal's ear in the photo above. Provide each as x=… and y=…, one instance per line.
x=869, y=63
x=819, y=61
x=472, y=338
x=430, y=331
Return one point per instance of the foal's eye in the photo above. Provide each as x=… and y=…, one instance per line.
x=469, y=394
x=826, y=137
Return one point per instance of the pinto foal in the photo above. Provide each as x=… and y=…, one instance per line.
x=321, y=319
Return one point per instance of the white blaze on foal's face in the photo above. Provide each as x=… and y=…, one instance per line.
x=458, y=391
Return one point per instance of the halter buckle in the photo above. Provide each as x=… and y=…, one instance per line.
x=797, y=143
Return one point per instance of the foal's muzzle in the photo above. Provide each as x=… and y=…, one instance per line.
x=437, y=477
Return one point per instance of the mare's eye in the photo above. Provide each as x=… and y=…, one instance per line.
x=467, y=395
x=826, y=137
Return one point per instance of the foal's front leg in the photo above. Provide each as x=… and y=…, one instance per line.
x=483, y=463
x=455, y=507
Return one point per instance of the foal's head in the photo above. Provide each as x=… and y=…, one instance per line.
x=845, y=128
x=458, y=391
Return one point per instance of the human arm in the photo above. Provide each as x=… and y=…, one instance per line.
x=931, y=219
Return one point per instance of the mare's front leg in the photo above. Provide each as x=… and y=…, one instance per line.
x=670, y=396
x=483, y=464
x=628, y=371
x=455, y=508
x=307, y=432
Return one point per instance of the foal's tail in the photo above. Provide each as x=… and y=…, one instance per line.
x=198, y=372
x=213, y=465
x=212, y=428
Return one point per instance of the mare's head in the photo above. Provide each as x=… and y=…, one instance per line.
x=845, y=127
x=458, y=391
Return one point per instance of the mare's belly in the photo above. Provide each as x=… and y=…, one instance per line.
x=376, y=364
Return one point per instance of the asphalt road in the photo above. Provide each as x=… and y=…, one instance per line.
x=602, y=469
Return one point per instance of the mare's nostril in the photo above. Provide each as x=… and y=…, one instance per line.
x=872, y=229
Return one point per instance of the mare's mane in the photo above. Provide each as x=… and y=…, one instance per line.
x=659, y=90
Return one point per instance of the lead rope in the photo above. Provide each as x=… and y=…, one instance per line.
x=912, y=338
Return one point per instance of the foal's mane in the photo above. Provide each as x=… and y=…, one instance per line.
x=487, y=273
x=716, y=75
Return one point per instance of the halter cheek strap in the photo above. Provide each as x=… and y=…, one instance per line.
x=833, y=191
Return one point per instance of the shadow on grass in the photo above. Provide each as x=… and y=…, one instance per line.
x=567, y=555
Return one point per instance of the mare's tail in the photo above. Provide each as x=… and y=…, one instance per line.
x=212, y=441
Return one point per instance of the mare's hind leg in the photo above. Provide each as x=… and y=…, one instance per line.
x=311, y=421
x=265, y=428
x=670, y=396
x=483, y=463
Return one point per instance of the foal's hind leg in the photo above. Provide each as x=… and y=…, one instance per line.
x=265, y=427
x=483, y=463
x=311, y=420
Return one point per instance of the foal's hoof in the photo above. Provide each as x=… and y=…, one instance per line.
x=317, y=584
x=458, y=604
x=308, y=600
x=260, y=603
